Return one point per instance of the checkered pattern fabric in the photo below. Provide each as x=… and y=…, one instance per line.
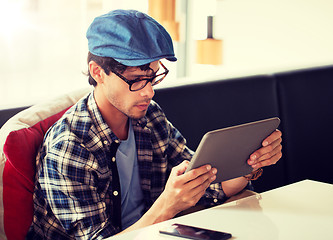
x=73, y=194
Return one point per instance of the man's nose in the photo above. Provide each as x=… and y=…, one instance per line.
x=148, y=91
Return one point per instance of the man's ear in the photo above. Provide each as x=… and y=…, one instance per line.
x=96, y=72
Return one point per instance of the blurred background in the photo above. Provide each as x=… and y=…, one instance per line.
x=43, y=48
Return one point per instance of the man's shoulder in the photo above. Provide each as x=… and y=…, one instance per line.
x=154, y=110
x=156, y=119
x=74, y=124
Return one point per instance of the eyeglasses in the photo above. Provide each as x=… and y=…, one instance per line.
x=139, y=83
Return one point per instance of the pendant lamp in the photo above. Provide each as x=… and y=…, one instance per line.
x=164, y=11
x=209, y=50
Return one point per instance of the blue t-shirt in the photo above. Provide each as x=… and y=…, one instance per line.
x=132, y=204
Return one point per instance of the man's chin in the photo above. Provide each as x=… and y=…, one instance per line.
x=138, y=115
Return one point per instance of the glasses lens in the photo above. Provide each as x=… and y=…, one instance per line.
x=141, y=84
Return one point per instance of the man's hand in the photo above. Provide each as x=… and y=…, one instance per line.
x=185, y=190
x=269, y=154
x=182, y=190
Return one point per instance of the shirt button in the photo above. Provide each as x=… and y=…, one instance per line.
x=105, y=142
x=116, y=141
x=215, y=200
x=113, y=159
x=115, y=193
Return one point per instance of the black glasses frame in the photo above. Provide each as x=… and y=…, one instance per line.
x=147, y=79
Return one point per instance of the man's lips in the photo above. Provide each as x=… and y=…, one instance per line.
x=142, y=106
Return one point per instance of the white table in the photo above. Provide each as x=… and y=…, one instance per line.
x=302, y=210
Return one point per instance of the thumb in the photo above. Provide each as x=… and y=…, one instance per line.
x=181, y=168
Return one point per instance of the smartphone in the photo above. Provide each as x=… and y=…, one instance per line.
x=191, y=232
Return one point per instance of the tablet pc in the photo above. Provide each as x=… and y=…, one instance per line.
x=228, y=149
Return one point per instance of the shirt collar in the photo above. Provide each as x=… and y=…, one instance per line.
x=142, y=122
x=103, y=129
x=102, y=126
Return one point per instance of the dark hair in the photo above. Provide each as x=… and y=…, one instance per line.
x=108, y=64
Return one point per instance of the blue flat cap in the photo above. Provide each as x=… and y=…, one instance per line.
x=130, y=37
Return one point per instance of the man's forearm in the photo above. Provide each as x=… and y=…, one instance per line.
x=157, y=213
x=234, y=186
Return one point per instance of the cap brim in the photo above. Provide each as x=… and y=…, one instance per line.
x=140, y=62
x=172, y=59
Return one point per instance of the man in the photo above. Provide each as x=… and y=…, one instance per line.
x=113, y=163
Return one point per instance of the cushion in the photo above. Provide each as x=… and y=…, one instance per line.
x=306, y=108
x=20, y=139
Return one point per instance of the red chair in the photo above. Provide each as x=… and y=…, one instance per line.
x=20, y=139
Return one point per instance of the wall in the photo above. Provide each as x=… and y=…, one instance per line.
x=44, y=53
x=265, y=35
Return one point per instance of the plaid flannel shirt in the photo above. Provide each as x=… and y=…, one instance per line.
x=72, y=194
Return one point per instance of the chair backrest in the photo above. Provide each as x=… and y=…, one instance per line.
x=20, y=139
